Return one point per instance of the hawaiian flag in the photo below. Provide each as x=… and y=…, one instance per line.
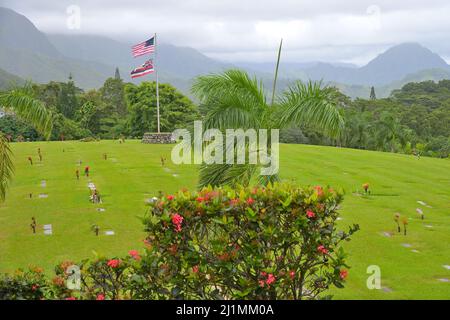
x=145, y=47
x=146, y=68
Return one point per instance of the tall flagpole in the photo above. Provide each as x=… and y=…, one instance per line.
x=157, y=86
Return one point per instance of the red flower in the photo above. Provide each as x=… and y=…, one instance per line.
x=343, y=274
x=250, y=201
x=177, y=220
x=114, y=263
x=310, y=214
x=292, y=274
x=234, y=202
x=134, y=254
x=195, y=269
x=270, y=279
x=263, y=273
x=261, y=283
x=200, y=199
x=100, y=297
x=322, y=249
x=35, y=287
x=319, y=190
x=170, y=197
x=71, y=298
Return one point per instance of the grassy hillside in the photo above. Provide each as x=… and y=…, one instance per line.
x=7, y=80
x=411, y=265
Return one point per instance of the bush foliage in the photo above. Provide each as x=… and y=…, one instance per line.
x=276, y=242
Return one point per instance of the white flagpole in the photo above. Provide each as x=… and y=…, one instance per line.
x=157, y=86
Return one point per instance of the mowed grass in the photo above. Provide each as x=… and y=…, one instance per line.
x=133, y=173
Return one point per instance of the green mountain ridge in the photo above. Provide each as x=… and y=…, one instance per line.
x=32, y=55
x=7, y=80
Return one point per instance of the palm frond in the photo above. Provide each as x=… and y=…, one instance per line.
x=6, y=166
x=310, y=104
x=225, y=174
x=229, y=83
x=233, y=99
x=232, y=112
x=28, y=108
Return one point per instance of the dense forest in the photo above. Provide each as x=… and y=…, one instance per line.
x=414, y=119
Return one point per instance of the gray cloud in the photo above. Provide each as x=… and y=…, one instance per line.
x=249, y=30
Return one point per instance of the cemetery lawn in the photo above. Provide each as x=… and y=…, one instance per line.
x=412, y=266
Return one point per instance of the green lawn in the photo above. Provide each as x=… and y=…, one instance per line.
x=133, y=173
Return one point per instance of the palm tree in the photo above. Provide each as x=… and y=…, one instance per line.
x=21, y=102
x=390, y=132
x=235, y=100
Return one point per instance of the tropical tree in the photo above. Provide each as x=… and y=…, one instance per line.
x=21, y=102
x=390, y=133
x=177, y=110
x=235, y=100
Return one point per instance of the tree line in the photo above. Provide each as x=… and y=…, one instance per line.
x=413, y=120
x=117, y=109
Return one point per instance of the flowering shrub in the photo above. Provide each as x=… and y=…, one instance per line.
x=23, y=285
x=277, y=242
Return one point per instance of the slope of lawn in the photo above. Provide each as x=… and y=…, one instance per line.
x=412, y=266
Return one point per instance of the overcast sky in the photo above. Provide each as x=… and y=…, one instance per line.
x=249, y=30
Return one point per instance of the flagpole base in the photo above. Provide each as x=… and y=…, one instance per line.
x=158, y=138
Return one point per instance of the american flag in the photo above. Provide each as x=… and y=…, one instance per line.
x=146, y=68
x=145, y=47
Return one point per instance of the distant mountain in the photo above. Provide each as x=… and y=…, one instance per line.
x=7, y=80
x=392, y=65
x=30, y=54
x=384, y=91
x=173, y=61
x=19, y=33
x=399, y=61
x=27, y=53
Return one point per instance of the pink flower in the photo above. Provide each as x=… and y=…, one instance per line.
x=170, y=197
x=270, y=279
x=322, y=249
x=234, y=202
x=195, y=269
x=100, y=297
x=114, y=263
x=134, y=254
x=319, y=190
x=34, y=287
x=250, y=201
x=177, y=220
x=343, y=274
x=71, y=298
x=310, y=214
